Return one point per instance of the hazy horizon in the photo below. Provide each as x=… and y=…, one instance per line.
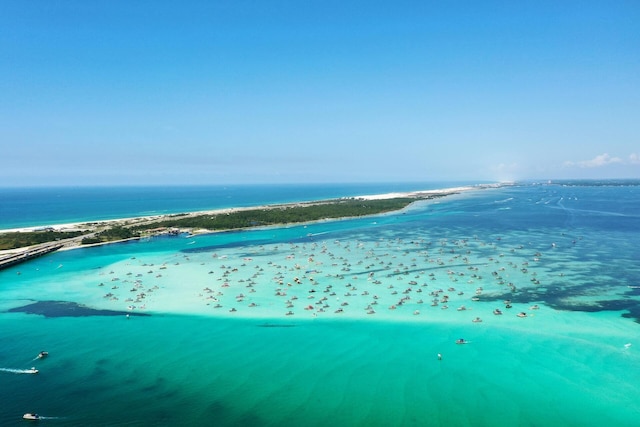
x=208, y=93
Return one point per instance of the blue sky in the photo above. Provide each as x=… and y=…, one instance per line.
x=221, y=92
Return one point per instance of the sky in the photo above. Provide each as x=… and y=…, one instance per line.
x=241, y=92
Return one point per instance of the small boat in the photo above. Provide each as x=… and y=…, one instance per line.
x=522, y=314
x=461, y=341
x=43, y=354
x=31, y=416
x=31, y=371
x=497, y=312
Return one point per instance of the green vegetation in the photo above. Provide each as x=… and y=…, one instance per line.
x=283, y=215
x=16, y=240
x=275, y=215
x=111, y=234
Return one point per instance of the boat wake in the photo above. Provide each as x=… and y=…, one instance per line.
x=36, y=417
x=17, y=371
x=317, y=234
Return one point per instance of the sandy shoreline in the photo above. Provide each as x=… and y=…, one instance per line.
x=86, y=225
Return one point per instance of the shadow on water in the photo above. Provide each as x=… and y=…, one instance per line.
x=67, y=309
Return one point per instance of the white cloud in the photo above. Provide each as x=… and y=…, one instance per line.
x=598, y=161
x=634, y=159
x=601, y=160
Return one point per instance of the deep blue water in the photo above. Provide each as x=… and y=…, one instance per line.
x=32, y=206
x=572, y=362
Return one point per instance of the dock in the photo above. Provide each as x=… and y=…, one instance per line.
x=23, y=255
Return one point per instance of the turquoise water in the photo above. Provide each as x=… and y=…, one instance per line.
x=573, y=361
x=35, y=206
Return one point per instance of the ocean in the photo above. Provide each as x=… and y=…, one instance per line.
x=42, y=206
x=345, y=322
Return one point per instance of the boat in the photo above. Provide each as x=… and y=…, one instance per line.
x=497, y=312
x=29, y=416
x=31, y=371
x=461, y=341
x=43, y=354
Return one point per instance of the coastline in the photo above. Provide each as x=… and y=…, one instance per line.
x=81, y=226
x=386, y=296
x=90, y=229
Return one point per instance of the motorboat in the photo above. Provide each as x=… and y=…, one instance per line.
x=31, y=416
x=31, y=371
x=461, y=341
x=43, y=354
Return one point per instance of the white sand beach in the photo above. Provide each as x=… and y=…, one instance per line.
x=88, y=225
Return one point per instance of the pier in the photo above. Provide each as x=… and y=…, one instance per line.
x=23, y=255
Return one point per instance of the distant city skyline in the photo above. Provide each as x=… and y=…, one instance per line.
x=238, y=92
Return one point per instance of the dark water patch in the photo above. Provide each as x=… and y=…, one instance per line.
x=426, y=269
x=102, y=364
x=633, y=313
x=255, y=242
x=635, y=291
x=245, y=255
x=100, y=372
x=562, y=298
x=231, y=245
x=631, y=307
x=67, y=309
x=156, y=387
x=597, y=306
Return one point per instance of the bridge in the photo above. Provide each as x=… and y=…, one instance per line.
x=26, y=254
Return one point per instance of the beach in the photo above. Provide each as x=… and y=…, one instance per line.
x=85, y=225
x=330, y=279
x=347, y=321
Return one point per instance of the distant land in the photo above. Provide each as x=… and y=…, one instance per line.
x=19, y=245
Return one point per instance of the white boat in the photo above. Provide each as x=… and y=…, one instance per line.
x=31, y=416
x=31, y=371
